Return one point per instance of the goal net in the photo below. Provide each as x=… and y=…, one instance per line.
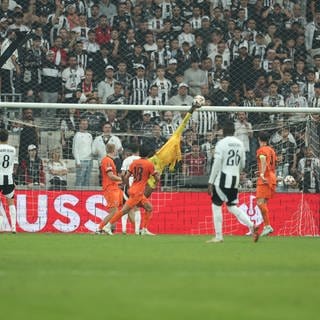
x=52, y=194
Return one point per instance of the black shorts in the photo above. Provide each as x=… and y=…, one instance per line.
x=7, y=189
x=221, y=195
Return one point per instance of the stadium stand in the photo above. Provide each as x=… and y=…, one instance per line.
x=239, y=52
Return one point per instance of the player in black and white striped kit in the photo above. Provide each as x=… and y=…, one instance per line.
x=8, y=159
x=229, y=160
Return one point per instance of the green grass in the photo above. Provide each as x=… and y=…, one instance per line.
x=47, y=276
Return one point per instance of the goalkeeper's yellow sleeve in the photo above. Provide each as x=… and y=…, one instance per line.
x=170, y=153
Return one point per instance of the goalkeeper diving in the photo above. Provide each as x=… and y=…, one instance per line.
x=170, y=153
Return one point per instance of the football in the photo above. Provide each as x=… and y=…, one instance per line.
x=199, y=101
x=289, y=180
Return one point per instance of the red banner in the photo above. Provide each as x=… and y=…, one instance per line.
x=174, y=213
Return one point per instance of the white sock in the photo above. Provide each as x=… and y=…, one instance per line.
x=2, y=214
x=13, y=215
x=137, y=221
x=217, y=218
x=124, y=220
x=241, y=216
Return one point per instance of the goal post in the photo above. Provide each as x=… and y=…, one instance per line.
x=52, y=131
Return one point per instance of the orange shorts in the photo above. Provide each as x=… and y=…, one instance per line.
x=136, y=200
x=114, y=198
x=264, y=191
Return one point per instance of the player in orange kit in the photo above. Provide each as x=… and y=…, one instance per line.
x=266, y=183
x=141, y=170
x=110, y=185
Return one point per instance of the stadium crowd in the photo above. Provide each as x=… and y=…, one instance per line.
x=164, y=52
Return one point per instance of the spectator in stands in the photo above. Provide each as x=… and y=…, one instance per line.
x=207, y=148
x=223, y=96
x=29, y=134
x=184, y=57
x=243, y=131
x=106, y=87
x=82, y=29
x=315, y=102
x=100, y=142
x=31, y=169
x=167, y=33
x=57, y=171
x=81, y=149
x=118, y=120
x=160, y=56
x=103, y=31
x=286, y=154
x=155, y=24
x=194, y=77
x=18, y=23
x=60, y=54
x=273, y=99
x=308, y=173
x=10, y=69
x=204, y=121
x=312, y=32
x=182, y=98
x=154, y=100
x=72, y=16
x=5, y=11
x=163, y=84
x=80, y=54
x=56, y=21
x=171, y=71
x=218, y=21
x=107, y=8
x=194, y=163
x=275, y=74
x=240, y=68
x=99, y=61
x=198, y=50
x=167, y=125
x=123, y=15
x=87, y=87
x=177, y=19
x=139, y=86
x=156, y=140
x=187, y=141
x=186, y=35
x=137, y=57
x=285, y=84
x=71, y=78
x=195, y=19
x=93, y=20
x=123, y=76
x=69, y=126
x=309, y=87
x=143, y=127
x=118, y=97
x=223, y=52
x=295, y=100
x=50, y=81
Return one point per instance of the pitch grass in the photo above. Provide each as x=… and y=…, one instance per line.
x=48, y=276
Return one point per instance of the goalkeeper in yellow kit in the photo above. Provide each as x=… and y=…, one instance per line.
x=170, y=153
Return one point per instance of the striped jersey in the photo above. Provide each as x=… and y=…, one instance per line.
x=7, y=161
x=229, y=160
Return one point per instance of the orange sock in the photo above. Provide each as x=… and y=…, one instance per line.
x=265, y=213
x=116, y=217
